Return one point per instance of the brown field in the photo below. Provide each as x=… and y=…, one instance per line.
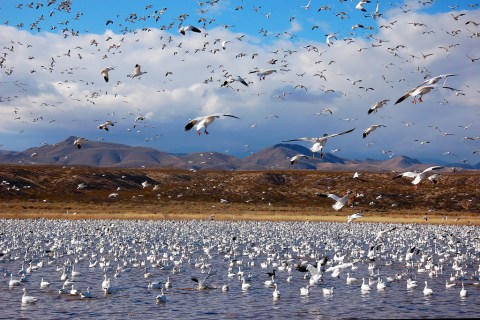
x=51, y=192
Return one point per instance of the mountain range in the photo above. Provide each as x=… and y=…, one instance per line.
x=113, y=155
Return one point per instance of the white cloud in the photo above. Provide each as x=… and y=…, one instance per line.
x=74, y=95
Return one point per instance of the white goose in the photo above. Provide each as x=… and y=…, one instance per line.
x=339, y=202
x=372, y=128
x=365, y=286
x=137, y=72
x=28, y=299
x=297, y=157
x=104, y=73
x=205, y=121
x=377, y=106
x=305, y=291
x=463, y=292
x=319, y=142
x=44, y=284
x=276, y=292
x=162, y=297
x=327, y=291
x=417, y=91
x=427, y=291
x=183, y=30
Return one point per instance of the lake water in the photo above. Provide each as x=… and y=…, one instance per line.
x=181, y=250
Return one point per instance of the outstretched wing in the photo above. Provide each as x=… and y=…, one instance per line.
x=302, y=139
x=193, y=122
x=329, y=195
x=338, y=134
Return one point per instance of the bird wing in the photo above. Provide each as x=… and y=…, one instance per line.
x=193, y=122
x=195, y=29
x=329, y=195
x=227, y=115
x=302, y=139
x=338, y=134
x=432, y=168
x=407, y=174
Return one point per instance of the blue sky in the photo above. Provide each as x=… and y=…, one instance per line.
x=43, y=102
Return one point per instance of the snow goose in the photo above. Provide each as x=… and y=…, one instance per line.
x=106, y=125
x=463, y=292
x=339, y=202
x=305, y=291
x=422, y=175
x=319, y=142
x=44, y=284
x=411, y=283
x=87, y=294
x=417, y=91
x=245, y=285
x=205, y=121
x=427, y=291
x=350, y=279
x=104, y=73
x=137, y=72
x=355, y=216
x=330, y=36
x=28, y=299
x=78, y=142
x=276, y=292
x=327, y=291
x=372, y=128
x=262, y=74
x=297, y=157
x=365, y=286
x=232, y=79
x=162, y=297
x=13, y=282
x=183, y=30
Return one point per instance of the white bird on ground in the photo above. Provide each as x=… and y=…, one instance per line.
x=183, y=30
x=28, y=299
x=355, y=216
x=434, y=178
x=81, y=186
x=145, y=184
x=377, y=106
x=339, y=202
x=105, y=125
x=319, y=142
x=105, y=71
x=137, y=72
x=372, y=128
x=205, y=121
x=382, y=233
x=78, y=142
x=297, y=157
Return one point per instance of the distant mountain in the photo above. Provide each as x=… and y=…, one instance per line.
x=105, y=154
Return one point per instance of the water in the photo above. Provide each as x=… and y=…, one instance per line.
x=196, y=248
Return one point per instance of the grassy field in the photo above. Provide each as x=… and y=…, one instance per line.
x=52, y=192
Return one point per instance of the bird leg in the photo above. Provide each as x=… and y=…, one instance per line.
x=414, y=101
x=321, y=154
x=420, y=99
x=198, y=132
x=206, y=132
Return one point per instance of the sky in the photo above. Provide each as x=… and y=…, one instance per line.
x=52, y=54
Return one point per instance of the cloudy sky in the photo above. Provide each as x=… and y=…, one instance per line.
x=52, y=53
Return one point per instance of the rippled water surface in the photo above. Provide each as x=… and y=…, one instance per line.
x=125, y=251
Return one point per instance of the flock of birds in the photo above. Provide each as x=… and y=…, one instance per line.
x=164, y=260
x=182, y=29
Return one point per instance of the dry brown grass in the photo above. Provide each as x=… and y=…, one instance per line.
x=251, y=195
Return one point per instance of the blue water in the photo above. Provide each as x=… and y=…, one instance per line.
x=202, y=247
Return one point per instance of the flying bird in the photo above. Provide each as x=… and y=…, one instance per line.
x=372, y=128
x=355, y=216
x=105, y=125
x=232, y=79
x=296, y=158
x=319, y=142
x=205, y=121
x=417, y=91
x=183, y=30
x=78, y=142
x=417, y=176
x=262, y=74
x=137, y=72
x=377, y=106
x=105, y=71
x=339, y=202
